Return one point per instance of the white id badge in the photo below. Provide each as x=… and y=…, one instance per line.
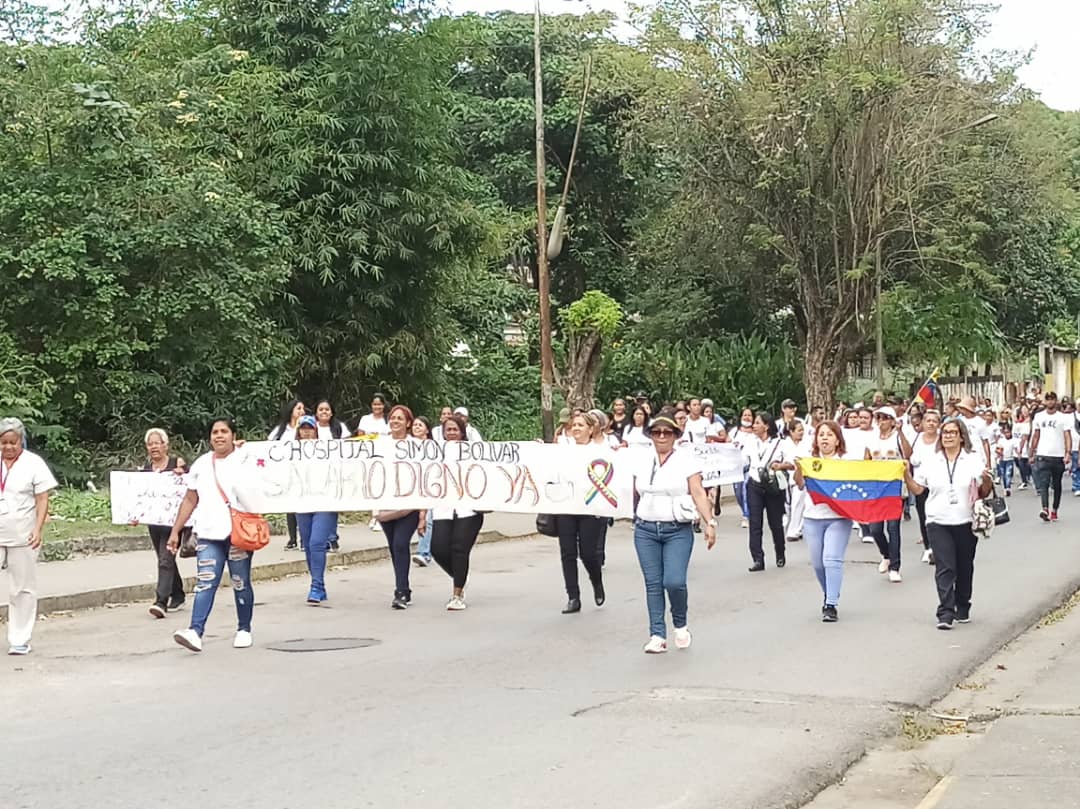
x=953, y=499
x=3, y=506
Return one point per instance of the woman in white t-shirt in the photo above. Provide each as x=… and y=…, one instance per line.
x=825, y=531
x=953, y=479
x=374, y=423
x=795, y=446
x=1022, y=434
x=399, y=526
x=581, y=536
x=765, y=490
x=668, y=496
x=211, y=479
x=285, y=430
x=25, y=483
x=742, y=436
x=637, y=432
x=923, y=448
x=888, y=444
x=1005, y=449
x=327, y=422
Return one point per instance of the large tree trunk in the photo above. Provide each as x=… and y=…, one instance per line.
x=582, y=369
x=826, y=359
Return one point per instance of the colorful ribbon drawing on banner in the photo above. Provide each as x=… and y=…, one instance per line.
x=600, y=481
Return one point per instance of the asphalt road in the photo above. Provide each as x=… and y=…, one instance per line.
x=511, y=704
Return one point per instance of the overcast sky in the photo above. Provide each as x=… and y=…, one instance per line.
x=1049, y=26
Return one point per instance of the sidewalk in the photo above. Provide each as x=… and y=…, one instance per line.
x=116, y=578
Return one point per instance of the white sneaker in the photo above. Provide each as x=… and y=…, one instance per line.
x=456, y=604
x=373, y=524
x=867, y=538
x=656, y=645
x=189, y=639
x=895, y=577
x=242, y=640
x=419, y=561
x=745, y=523
x=883, y=566
x=1076, y=494
x=927, y=555
x=19, y=649
x=683, y=638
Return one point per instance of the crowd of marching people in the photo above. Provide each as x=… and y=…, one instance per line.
x=953, y=460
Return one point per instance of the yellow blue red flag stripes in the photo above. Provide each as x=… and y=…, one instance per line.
x=863, y=491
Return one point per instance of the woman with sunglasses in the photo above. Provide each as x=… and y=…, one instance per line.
x=582, y=535
x=889, y=444
x=668, y=496
x=952, y=479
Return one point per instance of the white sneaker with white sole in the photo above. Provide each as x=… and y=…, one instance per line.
x=243, y=640
x=683, y=638
x=189, y=639
x=656, y=645
x=883, y=566
x=456, y=604
x=895, y=577
x=866, y=538
x=927, y=555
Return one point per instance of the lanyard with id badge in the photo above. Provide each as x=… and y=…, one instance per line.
x=954, y=498
x=4, y=478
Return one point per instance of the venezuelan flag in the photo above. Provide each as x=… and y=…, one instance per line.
x=863, y=491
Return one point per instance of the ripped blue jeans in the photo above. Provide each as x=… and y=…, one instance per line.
x=211, y=556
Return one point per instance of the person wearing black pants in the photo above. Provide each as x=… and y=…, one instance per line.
x=452, y=540
x=1048, y=474
x=1051, y=449
x=581, y=534
x=399, y=528
x=948, y=478
x=765, y=500
x=169, y=594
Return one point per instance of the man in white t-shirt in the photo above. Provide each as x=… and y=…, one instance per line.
x=1069, y=409
x=444, y=414
x=25, y=483
x=471, y=433
x=1051, y=451
x=696, y=425
x=976, y=428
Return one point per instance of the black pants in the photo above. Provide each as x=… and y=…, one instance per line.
x=764, y=504
x=580, y=534
x=954, y=558
x=170, y=584
x=920, y=507
x=887, y=537
x=290, y=523
x=1048, y=472
x=451, y=543
x=399, y=534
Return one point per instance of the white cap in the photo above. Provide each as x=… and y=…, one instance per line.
x=461, y=411
x=707, y=403
x=886, y=411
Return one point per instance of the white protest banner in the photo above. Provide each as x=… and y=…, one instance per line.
x=720, y=463
x=368, y=475
x=145, y=497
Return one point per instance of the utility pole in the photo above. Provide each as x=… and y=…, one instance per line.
x=879, y=336
x=547, y=360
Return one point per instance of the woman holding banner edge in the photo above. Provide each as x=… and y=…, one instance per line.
x=399, y=526
x=317, y=528
x=667, y=493
x=582, y=535
x=455, y=530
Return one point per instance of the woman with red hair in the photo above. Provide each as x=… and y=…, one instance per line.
x=399, y=526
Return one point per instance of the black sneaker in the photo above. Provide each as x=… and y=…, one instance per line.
x=781, y=561
x=399, y=603
x=158, y=610
x=963, y=616
x=176, y=605
x=334, y=547
x=944, y=624
x=1044, y=515
x=828, y=614
x=757, y=567
x=290, y=545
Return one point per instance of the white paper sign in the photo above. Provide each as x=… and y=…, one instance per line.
x=720, y=463
x=145, y=497
x=366, y=475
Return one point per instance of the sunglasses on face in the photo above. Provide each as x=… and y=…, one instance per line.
x=662, y=433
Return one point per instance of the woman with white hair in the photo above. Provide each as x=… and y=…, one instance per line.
x=25, y=483
x=169, y=595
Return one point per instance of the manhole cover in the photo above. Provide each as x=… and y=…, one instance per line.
x=322, y=644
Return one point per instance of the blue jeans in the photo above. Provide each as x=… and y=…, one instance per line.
x=211, y=556
x=1005, y=472
x=741, y=499
x=1076, y=470
x=827, y=540
x=663, y=550
x=316, y=530
x=424, y=546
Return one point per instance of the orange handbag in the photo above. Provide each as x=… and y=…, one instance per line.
x=250, y=532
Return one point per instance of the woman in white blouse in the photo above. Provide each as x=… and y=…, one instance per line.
x=285, y=430
x=582, y=535
x=669, y=495
x=454, y=530
x=637, y=432
x=765, y=490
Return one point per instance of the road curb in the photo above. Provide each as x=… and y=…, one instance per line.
x=94, y=599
